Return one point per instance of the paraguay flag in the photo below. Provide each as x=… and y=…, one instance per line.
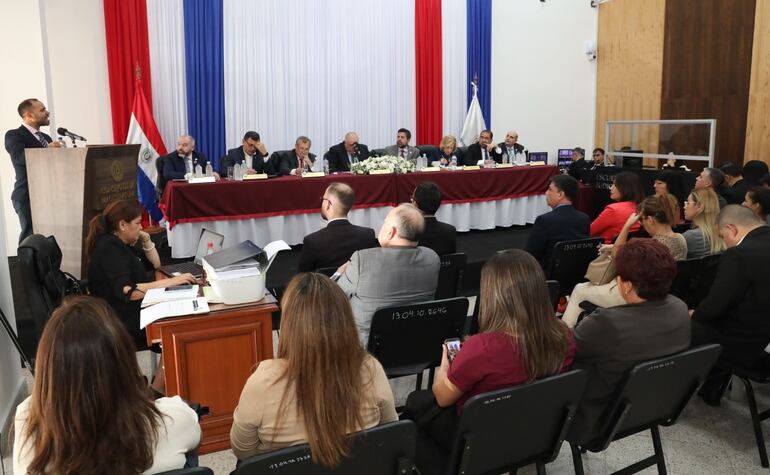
x=142, y=130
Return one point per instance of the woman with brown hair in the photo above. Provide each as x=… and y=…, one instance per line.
x=519, y=341
x=322, y=386
x=627, y=192
x=90, y=411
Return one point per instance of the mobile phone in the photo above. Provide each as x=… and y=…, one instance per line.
x=452, y=347
x=174, y=288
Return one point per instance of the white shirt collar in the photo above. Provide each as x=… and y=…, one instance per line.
x=31, y=129
x=335, y=219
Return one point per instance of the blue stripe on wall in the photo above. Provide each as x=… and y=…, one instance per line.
x=480, y=53
x=204, y=63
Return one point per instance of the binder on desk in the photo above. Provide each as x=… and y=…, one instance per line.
x=243, y=254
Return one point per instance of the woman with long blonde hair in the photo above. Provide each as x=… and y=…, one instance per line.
x=322, y=386
x=702, y=210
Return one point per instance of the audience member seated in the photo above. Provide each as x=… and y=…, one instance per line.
x=564, y=223
x=448, y=149
x=656, y=213
x=712, y=178
x=599, y=156
x=402, y=148
x=297, y=160
x=702, y=210
x=483, y=152
x=91, y=411
x=753, y=171
x=579, y=163
x=346, y=153
x=757, y=199
x=180, y=164
x=519, y=341
x=627, y=191
x=511, y=147
x=252, y=152
x=735, y=312
x=735, y=186
x=399, y=272
x=334, y=244
x=670, y=182
x=441, y=237
x=321, y=386
x=649, y=324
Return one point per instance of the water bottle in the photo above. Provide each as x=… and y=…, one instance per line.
x=326, y=166
x=198, y=170
x=423, y=161
x=454, y=161
x=505, y=157
x=209, y=170
x=237, y=172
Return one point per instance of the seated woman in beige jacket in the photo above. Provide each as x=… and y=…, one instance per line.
x=322, y=386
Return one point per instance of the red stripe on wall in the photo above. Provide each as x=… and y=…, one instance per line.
x=427, y=39
x=125, y=23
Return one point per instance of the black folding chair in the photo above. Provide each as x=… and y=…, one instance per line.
x=553, y=291
x=450, y=275
x=701, y=286
x=570, y=260
x=383, y=450
x=407, y=339
x=189, y=471
x=653, y=393
x=506, y=429
x=686, y=271
x=327, y=271
x=430, y=151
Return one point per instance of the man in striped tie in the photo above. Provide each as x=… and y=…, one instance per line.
x=33, y=115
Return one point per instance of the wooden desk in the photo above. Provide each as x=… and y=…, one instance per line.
x=208, y=358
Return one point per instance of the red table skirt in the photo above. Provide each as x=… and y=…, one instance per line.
x=184, y=203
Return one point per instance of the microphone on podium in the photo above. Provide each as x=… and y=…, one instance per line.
x=72, y=135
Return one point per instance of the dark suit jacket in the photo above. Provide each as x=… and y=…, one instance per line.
x=738, y=305
x=334, y=244
x=576, y=168
x=519, y=148
x=236, y=155
x=457, y=153
x=441, y=237
x=16, y=140
x=736, y=193
x=174, y=167
x=564, y=223
x=287, y=161
x=473, y=155
x=338, y=157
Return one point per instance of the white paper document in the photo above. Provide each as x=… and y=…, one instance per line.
x=173, y=308
x=154, y=296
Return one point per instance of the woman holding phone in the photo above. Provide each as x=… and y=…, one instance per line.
x=519, y=341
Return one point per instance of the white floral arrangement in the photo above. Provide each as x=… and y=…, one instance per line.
x=386, y=162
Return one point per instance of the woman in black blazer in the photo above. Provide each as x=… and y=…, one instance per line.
x=448, y=149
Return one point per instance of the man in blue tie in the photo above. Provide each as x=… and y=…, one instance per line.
x=484, y=151
x=33, y=115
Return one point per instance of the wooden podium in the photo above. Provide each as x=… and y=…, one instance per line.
x=68, y=186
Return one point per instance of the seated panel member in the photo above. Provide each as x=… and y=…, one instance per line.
x=441, y=237
x=399, y=272
x=402, y=148
x=334, y=244
x=252, y=152
x=448, y=149
x=564, y=223
x=181, y=163
x=347, y=152
x=511, y=146
x=483, y=151
x=297, y=160
x=579, y=163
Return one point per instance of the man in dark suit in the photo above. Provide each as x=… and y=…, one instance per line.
x=564, y=223
x=712, y=178
x=345, y=153
x=736, y=187
x=511, y=146
x=334, y=244
x=297, y=160
x=484, y=151
x=579, y=163
x=252, y=152
x=441, y=237
x=180, y=163
x=33, y=115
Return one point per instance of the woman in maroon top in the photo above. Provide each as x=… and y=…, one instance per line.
x=628, y=192
x=519, y=341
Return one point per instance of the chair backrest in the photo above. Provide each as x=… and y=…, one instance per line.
x=686, y=270
x=407, y=335
x=430, y=151
x=189, y=471
x=377, y=152
x=516, y=426
x=383, y=450
x=656, y=392
x=553, y=291
x=707, y=272
x=327, y=271
x=570, y=260
x=471, y=326
x=450, y=275
x=161, y=182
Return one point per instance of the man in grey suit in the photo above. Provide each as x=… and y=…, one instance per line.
x=402, y=148
x=399, y=272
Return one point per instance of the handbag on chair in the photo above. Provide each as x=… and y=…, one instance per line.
x=602, y=269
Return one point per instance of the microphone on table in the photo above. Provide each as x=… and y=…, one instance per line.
x=72, y=135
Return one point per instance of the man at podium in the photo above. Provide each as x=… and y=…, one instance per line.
x=33, y=116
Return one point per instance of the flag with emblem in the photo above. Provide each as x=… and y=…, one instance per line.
x=474, y=121
x=143, y=131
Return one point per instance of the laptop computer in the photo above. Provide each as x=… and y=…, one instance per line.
x=538, y=157
x=194, y=267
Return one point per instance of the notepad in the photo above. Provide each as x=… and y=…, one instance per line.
x=154, y=296
x=174, y=308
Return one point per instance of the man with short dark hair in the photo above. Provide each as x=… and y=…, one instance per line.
x=564, y=223
x=252, y=152
x=736, y=187
x=484, y=151
x=712, y=178
x=441, y=237
x=33, y=115
x=298, y=160
x=334, y=244
x=397, y=273
x=346, y=153
x=402, y=148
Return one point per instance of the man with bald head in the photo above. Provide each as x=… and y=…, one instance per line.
x=397, y=273
x=511, y=146
x=334, y=244
x=181, y=163
x=345, y=153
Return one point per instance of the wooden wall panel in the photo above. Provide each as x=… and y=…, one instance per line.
x=707, y=67
x=758, y=122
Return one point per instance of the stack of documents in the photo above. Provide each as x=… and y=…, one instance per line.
x=172, y=308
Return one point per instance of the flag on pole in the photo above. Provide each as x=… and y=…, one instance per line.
x=474, y=121
x=143, y=131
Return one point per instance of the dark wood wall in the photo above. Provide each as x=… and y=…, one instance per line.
x=707, y=58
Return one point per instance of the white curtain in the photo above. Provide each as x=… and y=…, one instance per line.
x=454, y=49
x=320, y=69
x=165, y=24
